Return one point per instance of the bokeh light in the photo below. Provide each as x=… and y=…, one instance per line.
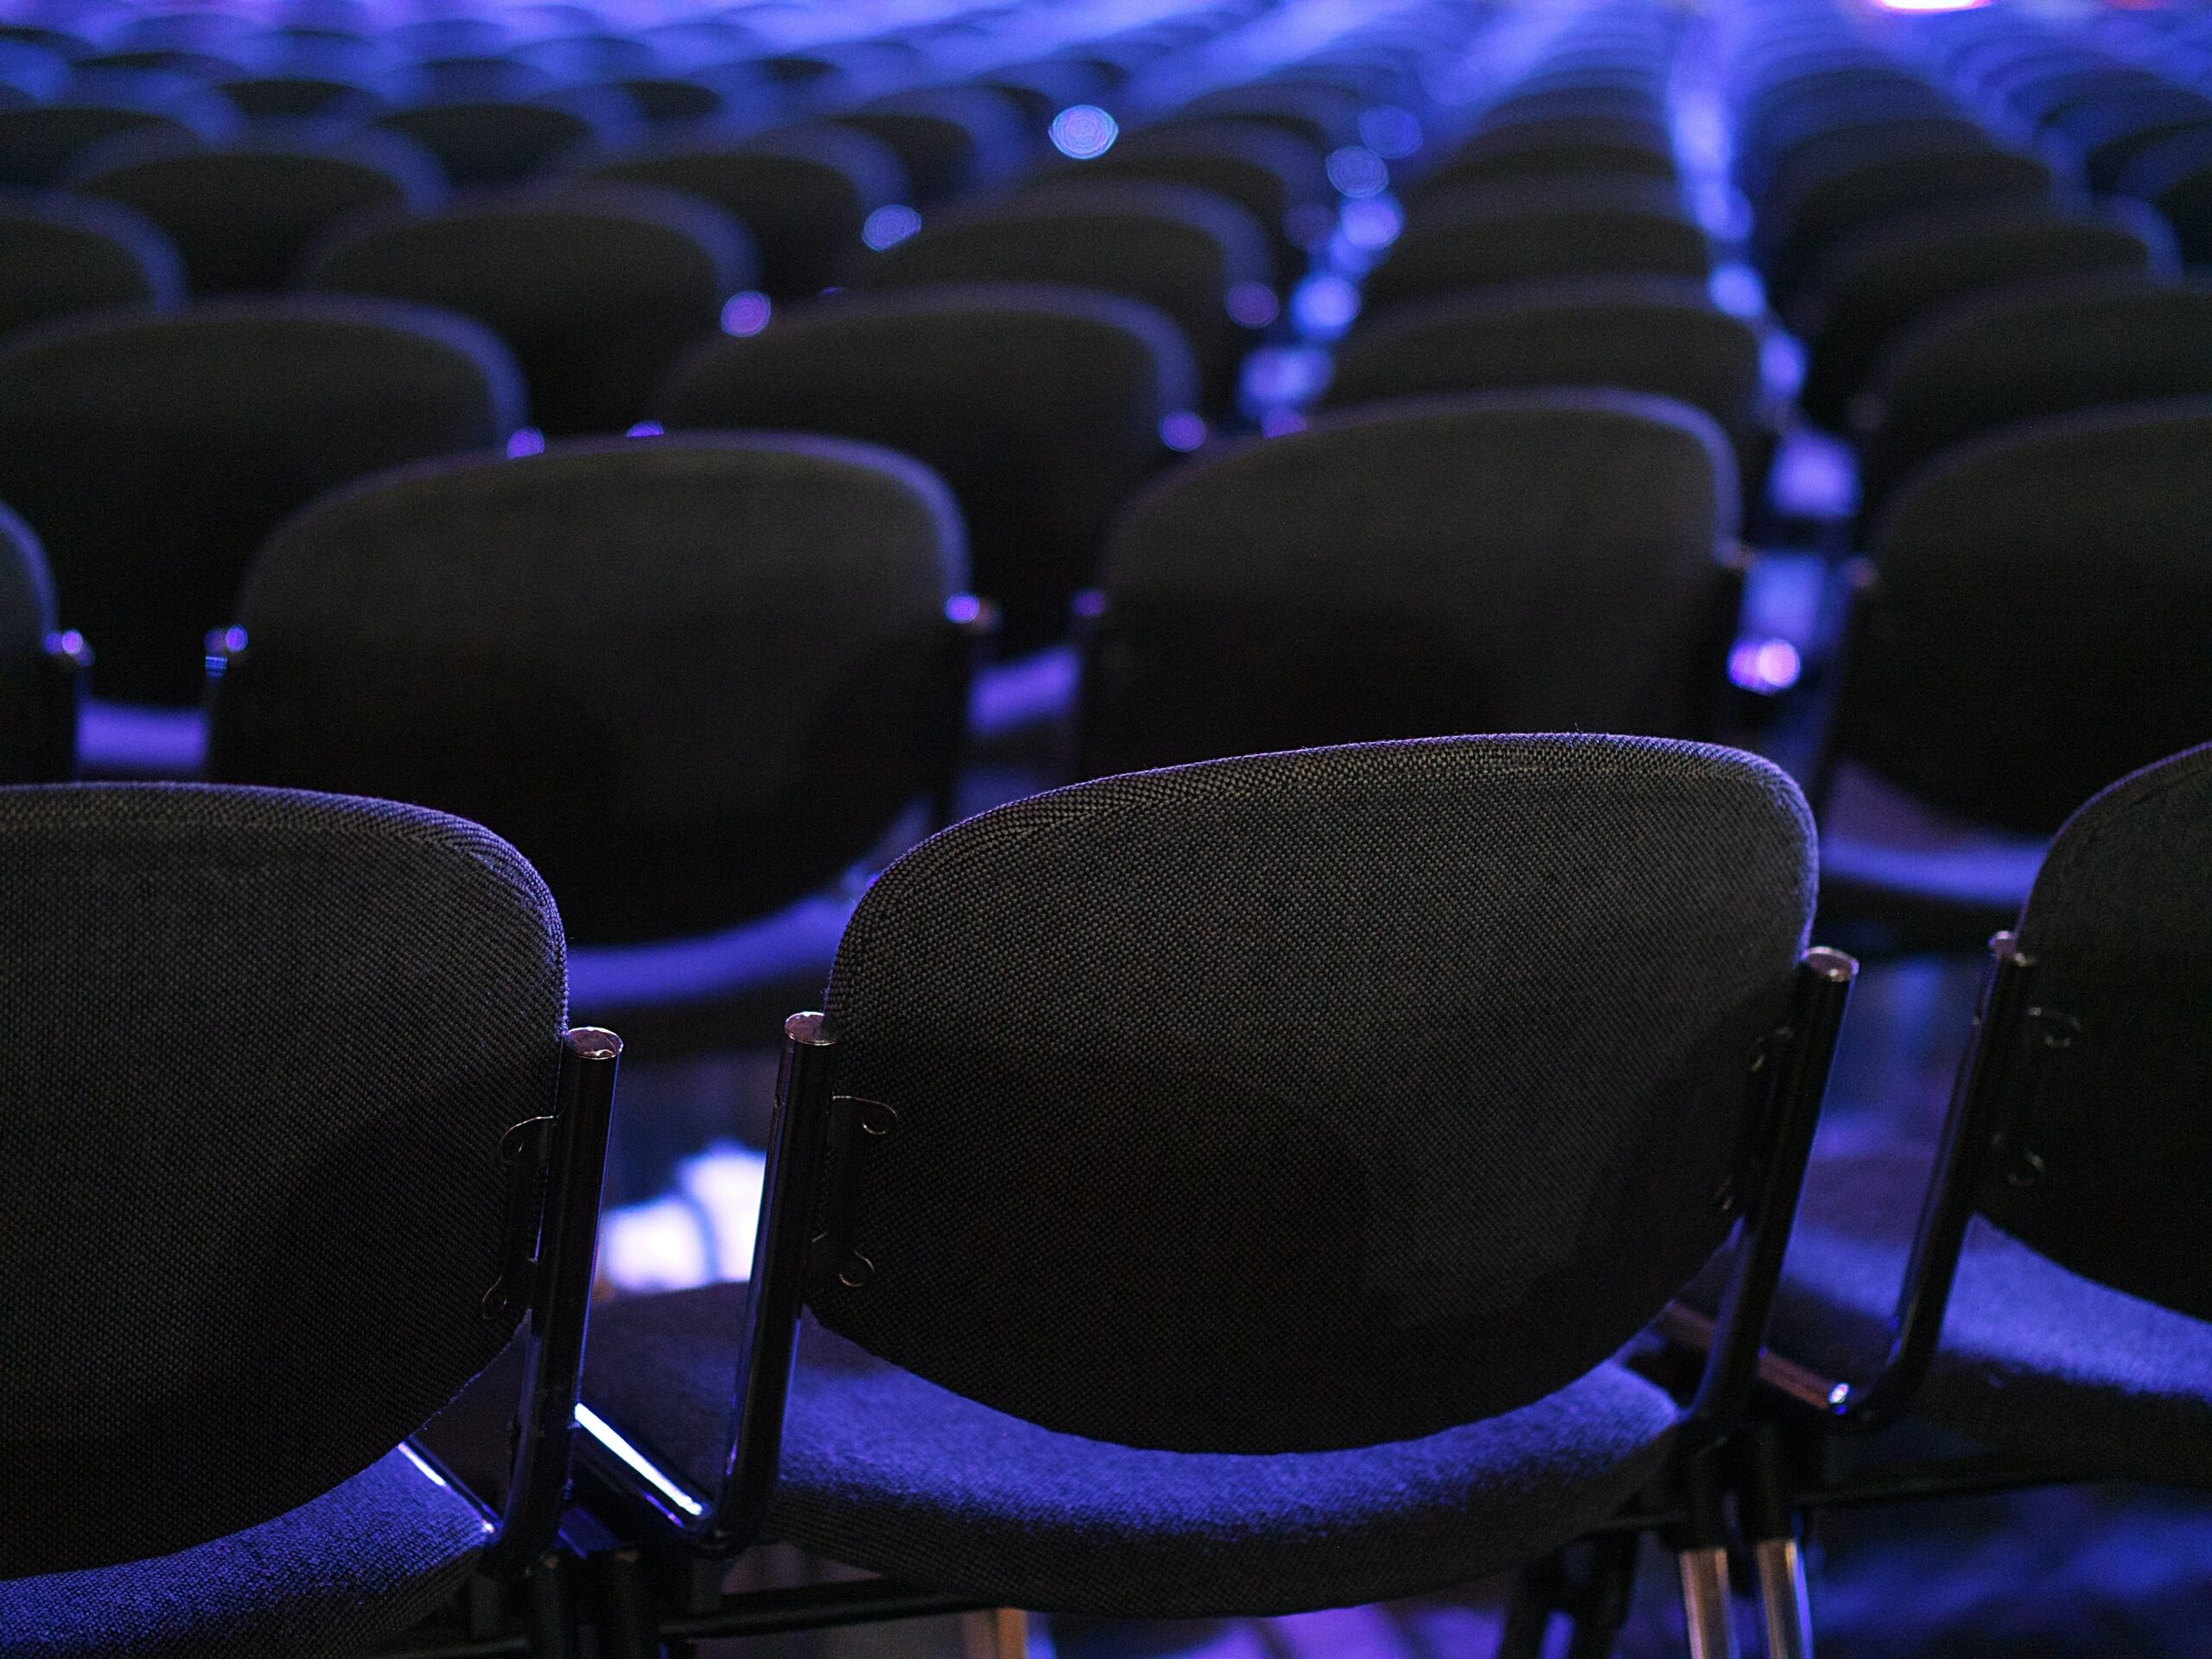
x=1083, y=131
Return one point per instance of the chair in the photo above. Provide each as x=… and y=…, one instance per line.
x=485, y=140
x=152, y=453
x=1657, y=335
x=1081, y=1073
x=1478, y=235
x=1877, y=283
x=1554, y=147
x=314, y=1047
x=2175, y=177
x=2022, y=352
x=804, y=193
x=39, y=143
x=1041, y=408
x=1527, y=560
x=597, y=288
x=244, y=217
x=1181, y=251
x=323, y=99
x=42, y=669
x=2111, y=129
x=949, y=139
x=2032, y=630
x=59, y=255
x=696, y=678
x=2034, y=1279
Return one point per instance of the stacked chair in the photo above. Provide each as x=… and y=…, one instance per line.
x=535, y=518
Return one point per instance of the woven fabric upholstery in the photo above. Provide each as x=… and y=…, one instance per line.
x=152, y=453
x=2038, y=627
x=803, y=191
x=2175, y=176
x=1877, y=283
x=242, y=218
x=885, y=1471
x=950, y=139
x=1264, y=170
x=1554, y=147
x=1509, y=561
x=2023, y=352
x=596, y=288
x=1856, y=179
x=1654, y=334
x=40, y=143
x=333, y=1578
x=60, y=255
x=1040, y=407
x=692, y=679
x=1315, y=1100
x=2122, y=945
x=283, y=1035
x=493, y=141
x=1175, y=248
x=1480, y=235
x=27, y=684
x=2033, y=1358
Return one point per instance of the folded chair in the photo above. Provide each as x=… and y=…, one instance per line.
x=58, y=254
x=1141, y=1285
x=1041, y=407
x=151, y=454
x=298, y=1142
x=2039, y=1285
x=1525, y=561
x=2030, y=628
x=42, y=669
x=742, y=642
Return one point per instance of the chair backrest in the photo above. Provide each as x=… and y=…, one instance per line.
x=1041, y=407
x=1180, y=250
x=2175, y=176
x=493, y=141
x=2038, y=624
x=804, y=193
x=596, y=288
x=1318, y=1099
x=60, y=255
x=2023, y=353
x=37, y=734
x=693, y=679
x=298, y=97
x=1533, y=560
x=950, y=139
x=41, y=142
x=152, y=453
x=1480, y=235
x=1554, y=147
x=243, y=219
x=2108, y=1143
x=1658, y=334
x=1877, y=283
x=262, y=1050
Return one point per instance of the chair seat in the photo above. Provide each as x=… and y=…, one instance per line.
x=354, y=1568
x=886, y=1472
x=1898, y=874
x=2033, y=1357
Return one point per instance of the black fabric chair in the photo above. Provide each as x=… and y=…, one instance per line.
x=805, y=193
x=499, y=141
x=597, y=288
x=1554, y=147
x=2034, y=1278
x=2112, y=128
x=1878, y=282
x=60, y=255
x=949, y=139
x=324, y=98
x=2023, y=353
x=1475, y=236
x=1654, y=334
x=695, y=678
x=1273, y=176
x=1040, y=407
x=40, y=668
x=39, y=143
x=242, y=217
x=1180, y=250
x=2033, y=629
x=152, y=453
x=1083, y=1086
x=315, y=1047
x=2175, y=176
x=1546, y=560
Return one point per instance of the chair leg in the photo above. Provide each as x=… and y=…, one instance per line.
x=1769, y=1523
x=1001, y=1633
x=1701, y=1557
x=1601, y=1605
x=1529, y=1614
x=548, y=1610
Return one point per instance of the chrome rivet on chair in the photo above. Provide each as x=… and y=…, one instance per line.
x=856, y=1271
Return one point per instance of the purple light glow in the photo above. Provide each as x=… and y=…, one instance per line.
x=1281, y=422
x=1390, y=132
x=646, y=430
x=887, y=227
x=1764, y=665
x=1373, y=225
x=1358, y=172
x=526, y=441
x=1253, y=304
x=1083, y=132
x=1183, y=431
x=1324, y=306
x=746, y=315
